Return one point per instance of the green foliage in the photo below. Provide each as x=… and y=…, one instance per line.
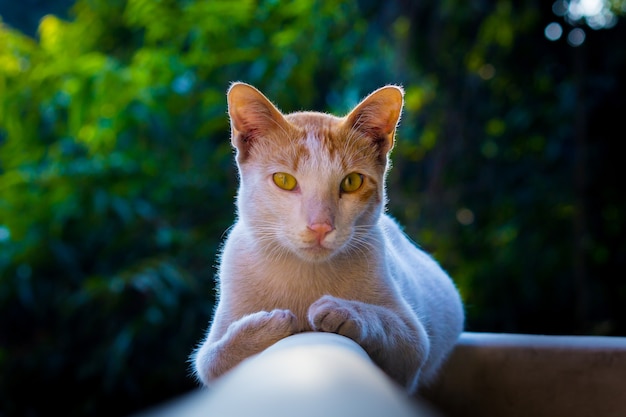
x=117, y=180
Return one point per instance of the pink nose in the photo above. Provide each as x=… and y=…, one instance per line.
x=321, y=230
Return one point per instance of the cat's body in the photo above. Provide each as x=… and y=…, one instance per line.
x=312, y=249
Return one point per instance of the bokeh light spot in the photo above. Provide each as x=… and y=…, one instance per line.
x=553, y=31
x=465, y=216
x=487, y=71
x=576, y=37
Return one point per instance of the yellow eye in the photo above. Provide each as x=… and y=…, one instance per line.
x=285, y=181
x=351, y=182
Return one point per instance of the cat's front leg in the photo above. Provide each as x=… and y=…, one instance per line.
x=245, y=337
x=399, y=345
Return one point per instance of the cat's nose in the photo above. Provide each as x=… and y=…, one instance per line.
x=321, y=230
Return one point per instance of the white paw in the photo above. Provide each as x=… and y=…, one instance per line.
x=336, y=315
x=269, y=326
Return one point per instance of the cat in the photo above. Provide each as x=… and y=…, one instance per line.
x=313, y=250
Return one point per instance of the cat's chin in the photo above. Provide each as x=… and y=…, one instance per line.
x=316, y=253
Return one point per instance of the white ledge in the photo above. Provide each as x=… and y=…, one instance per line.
x=305, y=375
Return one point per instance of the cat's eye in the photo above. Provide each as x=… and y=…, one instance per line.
x=285, y=181
x=351, y=182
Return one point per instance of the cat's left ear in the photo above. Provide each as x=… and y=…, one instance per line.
x=378, y=115
x=252, y=117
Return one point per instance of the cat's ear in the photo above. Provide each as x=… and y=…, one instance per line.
x=252, y=116
x=377, y=116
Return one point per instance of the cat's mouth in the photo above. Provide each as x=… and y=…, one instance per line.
x=316, y=252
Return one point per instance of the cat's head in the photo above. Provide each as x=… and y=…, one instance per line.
x=312, y=184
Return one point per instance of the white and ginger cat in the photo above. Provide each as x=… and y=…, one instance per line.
x=313, y=250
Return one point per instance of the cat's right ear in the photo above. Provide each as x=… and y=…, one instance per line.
x=252, y=117
x=378, y=115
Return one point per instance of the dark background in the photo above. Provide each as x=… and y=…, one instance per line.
x=117, y=179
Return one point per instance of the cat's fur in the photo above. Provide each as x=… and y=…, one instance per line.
x=319, y=259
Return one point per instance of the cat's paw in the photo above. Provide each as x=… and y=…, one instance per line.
x=335, y=315
x=269, y=325
x=245, y=337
